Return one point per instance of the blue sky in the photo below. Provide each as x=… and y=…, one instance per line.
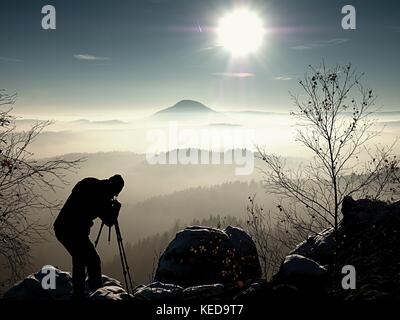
x=135, y=57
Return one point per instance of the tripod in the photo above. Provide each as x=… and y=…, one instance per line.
x=124, y=261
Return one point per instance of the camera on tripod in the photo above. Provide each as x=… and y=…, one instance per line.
x=111, y=220
x=116, y=206
x=111, y=217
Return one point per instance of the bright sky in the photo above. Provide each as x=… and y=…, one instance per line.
x=116, y=59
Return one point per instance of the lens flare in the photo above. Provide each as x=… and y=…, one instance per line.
x=241, y=32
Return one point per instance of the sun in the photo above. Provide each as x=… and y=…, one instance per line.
x=241, y=32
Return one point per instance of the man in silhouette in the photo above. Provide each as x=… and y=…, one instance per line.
x=91, y=198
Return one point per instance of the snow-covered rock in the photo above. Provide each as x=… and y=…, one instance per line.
x=202, y=255
x=157, y=291
x=110, y=293
x=303, y=273
x=246, y=252
x=297, y=266
x=203, y=292
x=318, y=247
x=31, y=288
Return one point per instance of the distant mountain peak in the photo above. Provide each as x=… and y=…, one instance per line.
x=187, y=106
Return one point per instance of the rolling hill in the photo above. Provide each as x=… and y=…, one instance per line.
x=188, y=111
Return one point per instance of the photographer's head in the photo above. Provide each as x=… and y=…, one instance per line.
x=116, y=183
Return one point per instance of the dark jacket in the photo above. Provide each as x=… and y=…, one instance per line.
x=91, y=198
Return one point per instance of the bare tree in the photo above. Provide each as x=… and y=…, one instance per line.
x=268, y=237
x=334, y=119
x=24, y=182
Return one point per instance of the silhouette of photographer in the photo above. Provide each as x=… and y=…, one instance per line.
x=91, y=198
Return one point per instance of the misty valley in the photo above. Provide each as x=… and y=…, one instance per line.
x=198, y=159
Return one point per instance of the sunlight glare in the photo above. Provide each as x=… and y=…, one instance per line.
x=241, y=32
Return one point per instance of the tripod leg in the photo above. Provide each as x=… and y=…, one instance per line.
x=123, y=264
x=127, y=267
x=124, y=260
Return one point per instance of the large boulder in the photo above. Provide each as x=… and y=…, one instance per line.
x=359, y=216
x=363, y=212
x=246, y=252
x=31, y=288
x=319, y=247
x=203, y=255
x=368, y=240
x=295, y=266
x=303, y=273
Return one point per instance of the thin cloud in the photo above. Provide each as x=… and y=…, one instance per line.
x=90, y=57
x=321, y=44
x=283, y=78
x=10, y=59
x=234, y=74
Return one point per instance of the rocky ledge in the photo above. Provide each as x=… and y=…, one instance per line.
x=208, y=263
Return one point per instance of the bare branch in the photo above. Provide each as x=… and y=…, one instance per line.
x=23, y=184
